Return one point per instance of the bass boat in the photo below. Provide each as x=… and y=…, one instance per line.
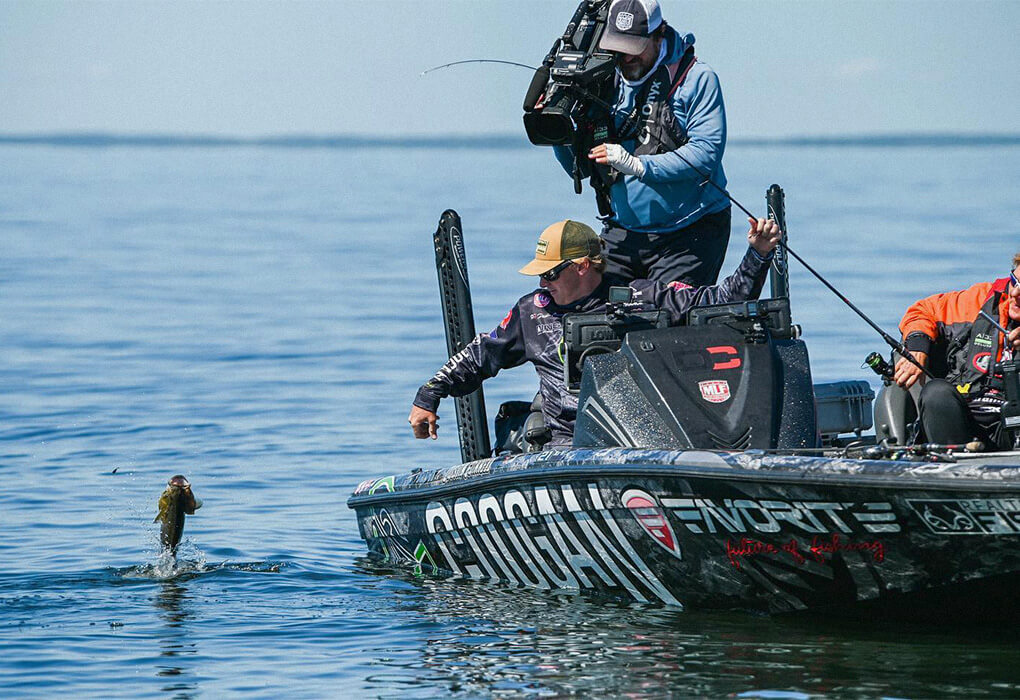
x=707, y=471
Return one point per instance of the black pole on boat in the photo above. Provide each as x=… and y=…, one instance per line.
x=779, y=278
x=459, y=323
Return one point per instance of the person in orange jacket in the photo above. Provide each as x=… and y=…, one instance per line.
x=948, y=330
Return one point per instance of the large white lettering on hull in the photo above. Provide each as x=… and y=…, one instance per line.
x=704, y=515
x=544, y=547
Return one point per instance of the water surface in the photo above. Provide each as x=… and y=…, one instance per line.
x=258, y=318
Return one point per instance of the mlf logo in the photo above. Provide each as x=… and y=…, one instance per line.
x=715, y=390
x=624, y=21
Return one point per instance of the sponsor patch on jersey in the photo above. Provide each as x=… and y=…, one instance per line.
x=506, y=319
x=678, y=285
x=981, y=361
x=542, y=300
x=715, y=390
x=983, y=340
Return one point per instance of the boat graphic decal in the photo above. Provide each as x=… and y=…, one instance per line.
x=704, y=515
x=818, y=550
x=652, y=518
x=732, y=360
x=383, y=530
x=974, y=516
x=421, y=555
x=384, y=485
x=547, y=536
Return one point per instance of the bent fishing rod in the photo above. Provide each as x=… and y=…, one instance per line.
x=896, y=345
x=479, y=60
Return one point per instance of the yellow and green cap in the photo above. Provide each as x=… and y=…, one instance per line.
x=564, y=240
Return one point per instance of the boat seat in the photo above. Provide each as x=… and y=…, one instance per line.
x=520, y=427
x=896, y=408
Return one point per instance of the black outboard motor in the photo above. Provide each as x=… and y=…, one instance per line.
x=734, y=378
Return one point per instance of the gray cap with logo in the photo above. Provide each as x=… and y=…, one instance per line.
x=630, y=25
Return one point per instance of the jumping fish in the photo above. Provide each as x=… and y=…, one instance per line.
x=175, y=502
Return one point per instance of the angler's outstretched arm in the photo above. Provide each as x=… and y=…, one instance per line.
x=480, y=359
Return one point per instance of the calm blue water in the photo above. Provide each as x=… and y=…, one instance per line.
x=259, y=318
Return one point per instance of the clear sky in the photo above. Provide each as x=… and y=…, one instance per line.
x=353, y=67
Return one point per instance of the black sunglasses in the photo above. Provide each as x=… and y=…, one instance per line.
x=554, y=274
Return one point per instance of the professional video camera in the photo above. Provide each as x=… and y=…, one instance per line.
x=572, y=88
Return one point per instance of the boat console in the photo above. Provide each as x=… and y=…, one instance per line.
x=734, y=378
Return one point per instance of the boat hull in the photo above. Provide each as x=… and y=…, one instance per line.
x=710, y=531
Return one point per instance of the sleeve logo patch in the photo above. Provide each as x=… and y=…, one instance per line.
x=506, y=319
x=678, y=285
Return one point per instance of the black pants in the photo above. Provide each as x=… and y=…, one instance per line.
x=947, y=420
x=693, y=254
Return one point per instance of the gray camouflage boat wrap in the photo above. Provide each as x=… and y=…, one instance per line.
x=701, y=529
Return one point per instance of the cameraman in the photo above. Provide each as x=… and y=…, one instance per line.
x=665, y=223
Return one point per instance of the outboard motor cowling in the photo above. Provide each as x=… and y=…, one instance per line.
x=731, y=384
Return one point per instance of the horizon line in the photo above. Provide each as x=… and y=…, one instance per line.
x=102, y=139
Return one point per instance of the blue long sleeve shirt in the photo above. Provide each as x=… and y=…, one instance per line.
x=670, y=195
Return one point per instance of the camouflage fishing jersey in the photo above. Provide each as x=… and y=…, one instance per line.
x=532, y=331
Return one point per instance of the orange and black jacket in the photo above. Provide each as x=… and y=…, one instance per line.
x=952, y=321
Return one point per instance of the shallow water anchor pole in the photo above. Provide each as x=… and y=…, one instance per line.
x=779, y=272
x=459, y=323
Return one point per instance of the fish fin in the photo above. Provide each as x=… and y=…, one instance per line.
x=162, y=506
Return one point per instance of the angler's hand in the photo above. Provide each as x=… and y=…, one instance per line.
x=763, y=235
x=907, y=373
x=423, y=423
x=618, y=158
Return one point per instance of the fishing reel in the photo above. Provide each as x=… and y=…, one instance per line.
x=574, y=80
x=879, y=366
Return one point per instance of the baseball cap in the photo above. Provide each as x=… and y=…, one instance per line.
x=630, y=25
x=564, y=240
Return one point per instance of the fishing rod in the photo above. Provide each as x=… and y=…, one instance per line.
x=994, y=321
x=479, y=60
